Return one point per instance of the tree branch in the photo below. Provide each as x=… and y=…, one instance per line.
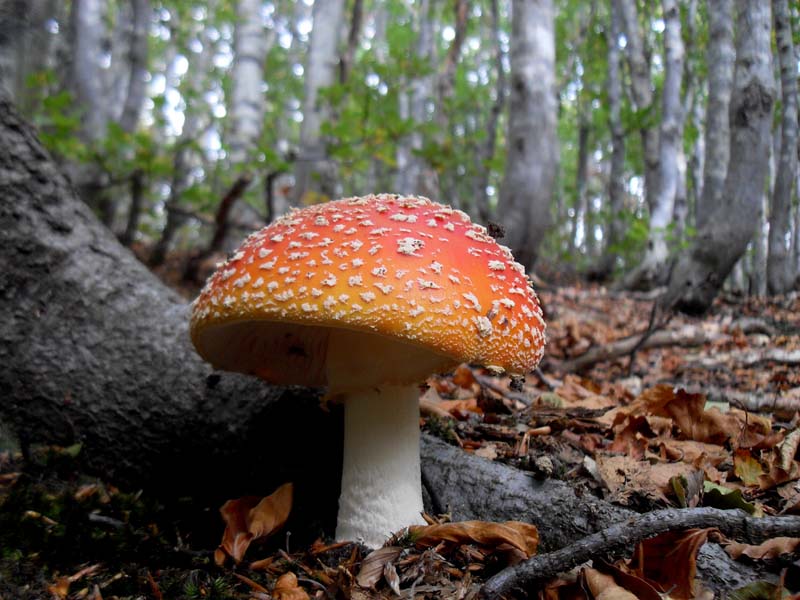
x=520, y=579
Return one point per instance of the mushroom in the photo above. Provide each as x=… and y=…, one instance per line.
x=368, y=296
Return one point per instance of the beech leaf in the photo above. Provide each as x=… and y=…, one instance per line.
x=251, y=518
x=522, y=536
x=670, y=560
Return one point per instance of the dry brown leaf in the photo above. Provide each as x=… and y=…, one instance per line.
x=746, y=467
x=603, y=587
x=694, y=453
x=373, y=564
x=787, y=450
x=576, y=395
x=250, y=518
x=522, y=536
x=60, y=588
x=670, y=560
x=772, y=548
x=287, y=588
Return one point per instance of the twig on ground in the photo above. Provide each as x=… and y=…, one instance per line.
x=519, y=580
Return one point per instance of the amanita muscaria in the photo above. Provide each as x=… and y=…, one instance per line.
x=369, y=296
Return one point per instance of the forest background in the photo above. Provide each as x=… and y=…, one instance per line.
x=608, y=137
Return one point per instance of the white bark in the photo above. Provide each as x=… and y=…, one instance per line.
x=653, y=269
x=411, y=175
x=314, y=173
x=700, y=272
x=251, y=45
x=532, y=154
x=88, y=33
x=780, y=270
x=720, y=57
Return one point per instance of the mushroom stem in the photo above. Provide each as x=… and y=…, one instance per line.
x=381, y=488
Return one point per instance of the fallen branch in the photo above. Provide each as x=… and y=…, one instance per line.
x=687, y=335
x=746, y=358
x=518, y=581
x=750, y=401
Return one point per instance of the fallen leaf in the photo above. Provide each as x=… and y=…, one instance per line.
x=373, y=564
x=287, y=588
x=772, y=548
x=746, y=467
x=720, y=496
x=603, y=587
x=522, y=536
x=670, y=560
x=250, y=518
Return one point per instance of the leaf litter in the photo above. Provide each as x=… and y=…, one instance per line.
x=708, y=420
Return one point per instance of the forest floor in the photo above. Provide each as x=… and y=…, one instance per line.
x=700, y=412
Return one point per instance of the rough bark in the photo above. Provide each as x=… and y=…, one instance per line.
x=653, y=268
x=642, y=92
x=94, y=349
x=353, y=37
x=701, y=270
x=720, y=56
x=780, y=268
x=532, y=146
x=314, y=173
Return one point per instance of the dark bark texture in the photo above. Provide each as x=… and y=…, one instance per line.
x=94, y=349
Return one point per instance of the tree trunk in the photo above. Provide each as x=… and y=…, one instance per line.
x=616, y=177
x=88, y=33
x=780, y=270
x=532, y=150
x=642, y=91
x=702, y=269
x=581, y=175
x=412, y=176
x=135, y=210
x=315, y=178
x=94, y=349
x=137, y=64
x=199, y=65
x=653, y=268
x=720, y=57
x=487, y=150
x=247, y=100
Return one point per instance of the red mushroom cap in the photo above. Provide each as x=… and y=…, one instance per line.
x=395, y=266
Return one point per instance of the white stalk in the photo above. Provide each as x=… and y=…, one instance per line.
x=381, y=487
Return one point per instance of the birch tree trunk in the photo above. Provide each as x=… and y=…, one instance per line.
x=532, y=146
x=642, y=90
x=780, y=270
x=251, y=45
x=653, y=268
x=702, y=269
x=314, y=173
x=411, y=175
x=720, y=57
x=88, y=33
x=616, y=177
